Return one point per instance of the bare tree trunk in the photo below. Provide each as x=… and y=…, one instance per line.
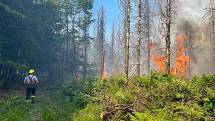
x=101, y=40
x=210, y=15
x=74, y=47
x=112, y=47
x=213, y=27
x=186, y=45
x=139, y=38
x=168, y=41
x=86, y=37
x=85, y=53
x=65, y=49
x=63, y=65
x=102, y=43
x=127, y=37
x=147, y=17
x=98, y=45
x=213, y=21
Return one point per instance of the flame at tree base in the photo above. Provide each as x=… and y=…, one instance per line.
x=159, y=61
x=104, y=73
x=181, y=59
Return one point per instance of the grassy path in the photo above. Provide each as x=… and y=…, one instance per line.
x=49, y=106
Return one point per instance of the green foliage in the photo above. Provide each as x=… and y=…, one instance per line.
x=12, y=109
x=10, y=102
x=48, y=116
x=10, y=64
x=33, y=34
x=86, y=5
x=90, y=113
x=18, y=114
x=80, y=92
x=158, y=98
x=147, y=116
x=49, y=106
x=11, y=11
x=124, y=96
x=27, y=37
x=149, y=98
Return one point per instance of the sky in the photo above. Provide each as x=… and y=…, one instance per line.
x=112, y=12
x=190, y=9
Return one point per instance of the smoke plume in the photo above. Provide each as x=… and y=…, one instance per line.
x=189, y=22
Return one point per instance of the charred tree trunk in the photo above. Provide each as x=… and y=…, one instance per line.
x=102, y=43
x=85, y=53
x=101, y=40
x=188, y=47
x=168, y=41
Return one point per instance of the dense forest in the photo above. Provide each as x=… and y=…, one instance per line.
x=153, y=62
x=38, y=34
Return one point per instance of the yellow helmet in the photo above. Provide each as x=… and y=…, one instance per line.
x=31, y=71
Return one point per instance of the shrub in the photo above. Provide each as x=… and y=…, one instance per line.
x=90, y=113
x=48, y=116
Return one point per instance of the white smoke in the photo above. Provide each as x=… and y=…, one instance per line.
x=192, y=11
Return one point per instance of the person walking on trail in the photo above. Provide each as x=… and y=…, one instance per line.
x=31, y=82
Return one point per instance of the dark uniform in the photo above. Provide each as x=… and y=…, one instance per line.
x=31, y=82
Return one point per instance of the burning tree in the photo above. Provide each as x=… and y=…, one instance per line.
x=188, y=44
x=181, y=59
x=100, y=42
x=166, y=14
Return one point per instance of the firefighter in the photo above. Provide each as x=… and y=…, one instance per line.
x=31, y=82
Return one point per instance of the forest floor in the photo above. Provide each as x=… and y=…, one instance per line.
x=50, y=105
x=155, y=97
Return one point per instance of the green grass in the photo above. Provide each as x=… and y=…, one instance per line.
x=49, y=106
x=150, y=98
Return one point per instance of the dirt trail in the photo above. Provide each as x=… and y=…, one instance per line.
x=49, y=104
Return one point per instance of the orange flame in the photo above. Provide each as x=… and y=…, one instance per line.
x=173, y=71
x=159, y=62
x=181, y=59
x=104, y=73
